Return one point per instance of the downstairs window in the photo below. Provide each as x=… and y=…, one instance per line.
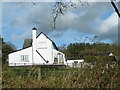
x=24, y=58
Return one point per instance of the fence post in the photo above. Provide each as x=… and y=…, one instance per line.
x=39, y=73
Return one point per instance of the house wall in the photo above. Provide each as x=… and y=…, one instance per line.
x=38, y=60
x=46, y=50
x=53, y=53
x=16, y=57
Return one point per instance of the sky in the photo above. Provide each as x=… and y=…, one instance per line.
x=80, y=24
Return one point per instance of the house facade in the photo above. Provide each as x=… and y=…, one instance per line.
x=40, y=51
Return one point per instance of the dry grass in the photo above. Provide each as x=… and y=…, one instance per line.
x=100, y=76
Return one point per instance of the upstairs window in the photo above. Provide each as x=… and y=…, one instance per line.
x=24, y=58
x=42, y=45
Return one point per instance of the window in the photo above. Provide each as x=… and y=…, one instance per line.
x=24, y=58
x=61, y=61
x=55, y=59
x=42, y=45
x=58, y=59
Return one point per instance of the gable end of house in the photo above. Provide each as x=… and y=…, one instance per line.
x=49, y=39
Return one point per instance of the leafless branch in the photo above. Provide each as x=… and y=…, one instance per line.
x=60, y=7
x=79, y=40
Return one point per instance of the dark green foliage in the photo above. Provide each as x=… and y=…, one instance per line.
x=1, y=40
x=7, y=48
x=99, y=59
x=90, y=51
x=91, y=58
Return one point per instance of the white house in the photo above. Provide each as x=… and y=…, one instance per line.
x=41, y=51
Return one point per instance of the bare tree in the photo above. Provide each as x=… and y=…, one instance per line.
x=79, y=39
x=60, y=7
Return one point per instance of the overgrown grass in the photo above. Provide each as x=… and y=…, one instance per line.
x=100, y=76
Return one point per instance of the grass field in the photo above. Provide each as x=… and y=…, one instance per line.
x=100, y=76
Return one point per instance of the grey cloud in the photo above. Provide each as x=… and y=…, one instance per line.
x=111, y=35
x=81, y=22
x=20, y=37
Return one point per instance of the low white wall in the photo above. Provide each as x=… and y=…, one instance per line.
x=70, y=63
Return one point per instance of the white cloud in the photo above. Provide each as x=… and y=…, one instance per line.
x=109, y=23
x=78, y=19
x=109, y=28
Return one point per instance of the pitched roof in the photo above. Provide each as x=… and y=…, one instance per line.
x=28, y=42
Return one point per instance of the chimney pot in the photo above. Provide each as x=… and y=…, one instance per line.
x=34, y=28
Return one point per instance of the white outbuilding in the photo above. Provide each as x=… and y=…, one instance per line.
x=75, y=63
x=40, y=50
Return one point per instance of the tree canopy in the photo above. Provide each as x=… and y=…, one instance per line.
x=90, y=51
x=7, y=48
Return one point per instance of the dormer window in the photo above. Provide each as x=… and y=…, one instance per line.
x=42, y=45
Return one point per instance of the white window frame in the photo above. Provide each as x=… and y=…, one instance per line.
x=42, y=45
x=24, y=58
